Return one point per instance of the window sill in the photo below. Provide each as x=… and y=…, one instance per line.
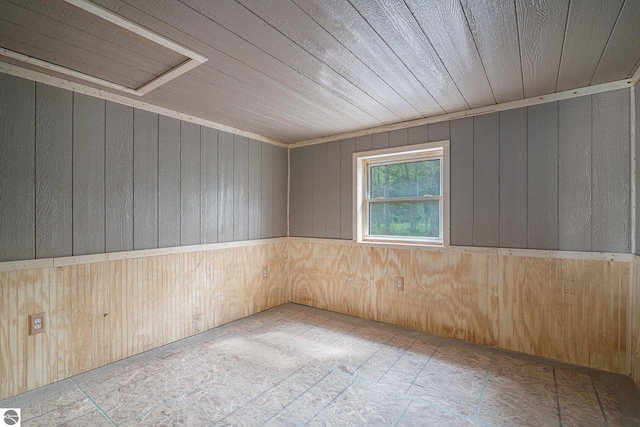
x=404, y=243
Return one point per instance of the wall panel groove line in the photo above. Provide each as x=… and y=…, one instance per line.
x=634, y=110
x=35, y=171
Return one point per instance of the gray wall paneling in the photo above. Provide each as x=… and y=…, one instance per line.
x=209, y=185
x=189, y=184
x=240, y=188
x=574, y=174
x=521, y=178
x=280, y=192
x=319, y=228
x=306, y=191
x=54, y=186
x=119, y=177
x=295, y=192
x=168, y=182
x=255, y=189
x=145, y=180
x=486, y=180
x=128, y=181
x=513, y=178
x=79, y=175
x=347, y=148
x=398, y=137
x=417, y=135
x=542, y=181
x=380, y=141
x=461, y=182
x=637, y=159
x=17, y=168
x=438, y=132
x=225, y=187
x=610, y=218
x=88, y=175
x=363, y=143
x=268, y=190
x=333, y=190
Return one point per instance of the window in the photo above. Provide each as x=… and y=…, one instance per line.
x=402, y=194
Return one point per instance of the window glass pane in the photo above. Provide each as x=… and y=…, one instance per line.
x=417, y=219
x=410, y=179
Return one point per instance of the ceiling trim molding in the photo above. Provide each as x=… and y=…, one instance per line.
x=636, y=76
x=66, y=71
x=18, y=71
x=118, y=20
x=193, y=58
x=553, y=97
x=32, y=264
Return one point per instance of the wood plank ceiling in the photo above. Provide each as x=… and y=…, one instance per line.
x=294, y=70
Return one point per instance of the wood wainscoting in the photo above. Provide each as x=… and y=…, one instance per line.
x=635, y=321
x=580, y=308
x=100, y=309
x=554, y=305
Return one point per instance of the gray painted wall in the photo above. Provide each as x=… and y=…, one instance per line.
x=550, y=176
x=637, y=159
x=80, y=175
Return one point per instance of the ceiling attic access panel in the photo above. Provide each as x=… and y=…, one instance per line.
x=80, y=40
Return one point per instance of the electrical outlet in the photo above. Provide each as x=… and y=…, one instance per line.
x=36, y=323
x=400, y=283
x=265, y=272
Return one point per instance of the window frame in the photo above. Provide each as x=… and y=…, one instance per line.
x=363, y=161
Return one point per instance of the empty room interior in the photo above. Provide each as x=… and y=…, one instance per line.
x=319, y=212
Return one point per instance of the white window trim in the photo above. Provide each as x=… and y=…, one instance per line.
x=360, y=160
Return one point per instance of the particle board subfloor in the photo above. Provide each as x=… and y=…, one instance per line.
x=295, y=366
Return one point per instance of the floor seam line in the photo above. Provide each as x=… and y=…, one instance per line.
x=421, y=369
x=555, y=382
x=96, y=405
x=484, y=386
x=297, y=397
x=604, y=414
x=263, y=392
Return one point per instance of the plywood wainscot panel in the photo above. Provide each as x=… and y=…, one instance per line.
x=103, y=308
x=635, y=321
x=569, y=306
x=462, y=295
x=566, y=309
x=331, y=277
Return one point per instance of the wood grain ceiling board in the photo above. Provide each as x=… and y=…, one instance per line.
x=589, y=27
x=493, y=25
x=297, y=25
x=445, y=26
x=243, y=107
x=295, y=70
x=393, y=22
x=620, y=57
x=237, y=19
x=541, y=26
x=232, y=55
x=348, y=27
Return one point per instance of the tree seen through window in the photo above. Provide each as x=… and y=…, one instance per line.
x=404, y=199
